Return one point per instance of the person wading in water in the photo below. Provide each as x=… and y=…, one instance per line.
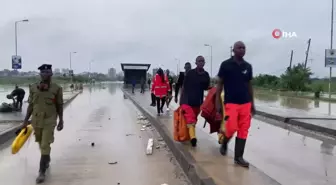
x=235, y=74
x=195, y=83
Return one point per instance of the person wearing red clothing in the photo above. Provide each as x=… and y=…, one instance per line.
x=153, y=104
x=160, y=88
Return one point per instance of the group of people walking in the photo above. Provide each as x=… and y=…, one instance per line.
x=234, y=77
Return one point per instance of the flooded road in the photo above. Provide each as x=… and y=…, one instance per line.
x=102, y=117
x=294, y=104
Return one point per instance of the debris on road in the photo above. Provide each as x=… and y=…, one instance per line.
x=142, y=129
x=141, y=117
x=149, y=150
x=129, y=134
x=113, y=162
x=92, y=144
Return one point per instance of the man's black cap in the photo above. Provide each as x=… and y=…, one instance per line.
x=45, y=67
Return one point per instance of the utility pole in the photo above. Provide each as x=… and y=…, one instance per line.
x=331, y=47
x=231, y=51
x=291, y=60
x=307, y=53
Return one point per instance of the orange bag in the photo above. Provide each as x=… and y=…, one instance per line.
x=181, y=132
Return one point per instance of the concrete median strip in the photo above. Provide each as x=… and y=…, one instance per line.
x=302, y=122
x=10, y=133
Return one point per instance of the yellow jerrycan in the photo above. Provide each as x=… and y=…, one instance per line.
x=21, y=139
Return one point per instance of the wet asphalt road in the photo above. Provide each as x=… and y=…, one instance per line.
x=102, y=117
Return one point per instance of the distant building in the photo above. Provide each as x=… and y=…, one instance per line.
x=65, y=71
x=57, y=72
x=111, y=73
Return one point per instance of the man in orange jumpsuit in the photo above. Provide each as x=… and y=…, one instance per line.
x=236, y=76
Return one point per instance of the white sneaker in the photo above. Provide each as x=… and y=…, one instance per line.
x=168, y=109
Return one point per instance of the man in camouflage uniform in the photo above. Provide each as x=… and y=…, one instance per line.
x=45, y=105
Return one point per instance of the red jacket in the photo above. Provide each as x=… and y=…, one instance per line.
x=159, y=88
x=209, y=112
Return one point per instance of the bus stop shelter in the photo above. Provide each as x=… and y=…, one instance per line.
x=134, y=72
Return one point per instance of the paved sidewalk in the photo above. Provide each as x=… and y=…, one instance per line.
x=287, y=156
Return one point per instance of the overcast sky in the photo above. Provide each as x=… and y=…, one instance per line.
x=158, y=31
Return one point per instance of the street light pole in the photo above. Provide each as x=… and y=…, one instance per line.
x=208, y=45
x=71, y=66
x=90, y=70
x=178, y=66
x=16, y=22
x=331, y=47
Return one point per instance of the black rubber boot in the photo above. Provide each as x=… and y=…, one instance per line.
x=223, y=148
x=48, y=161
x=43, y=168
x=239, y=152
x=193, y=142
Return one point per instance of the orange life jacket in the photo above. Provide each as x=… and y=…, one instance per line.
x=160, y=88
x=181, y=132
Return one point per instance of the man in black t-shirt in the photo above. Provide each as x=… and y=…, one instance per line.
x=170, y=92
x=236, y=76
x=192, y=94
x=179, y=83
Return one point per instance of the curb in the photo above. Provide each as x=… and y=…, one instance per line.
x=294, y=121
x=10, y=133
x=196, y=174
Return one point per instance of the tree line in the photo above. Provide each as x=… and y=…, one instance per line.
x=296, y=78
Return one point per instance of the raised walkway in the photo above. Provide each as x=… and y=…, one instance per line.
x=278, y=156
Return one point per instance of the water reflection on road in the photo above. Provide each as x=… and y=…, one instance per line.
x=313, y=106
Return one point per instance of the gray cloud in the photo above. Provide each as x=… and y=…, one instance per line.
x=157, y=32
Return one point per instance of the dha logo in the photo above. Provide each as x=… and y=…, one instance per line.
x=277, y=34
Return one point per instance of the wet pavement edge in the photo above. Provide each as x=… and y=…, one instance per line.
x=10, y=133
x=296, y=122
x=195, y=174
